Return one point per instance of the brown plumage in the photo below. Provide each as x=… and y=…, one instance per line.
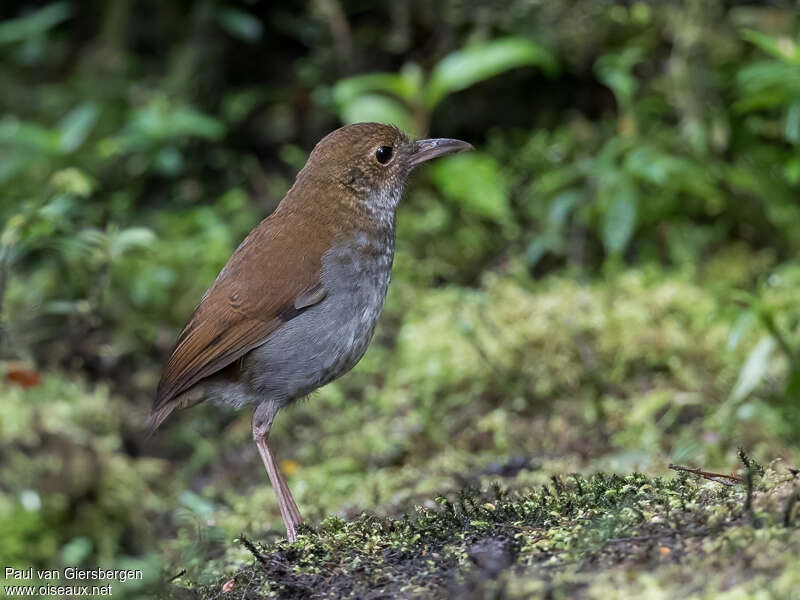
x=297, y=303
x=243, y=307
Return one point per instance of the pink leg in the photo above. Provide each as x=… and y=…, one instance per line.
x=262, y=421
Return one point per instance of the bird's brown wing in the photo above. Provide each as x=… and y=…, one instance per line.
x=264, y=284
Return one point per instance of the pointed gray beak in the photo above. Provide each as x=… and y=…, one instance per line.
x=428, y=149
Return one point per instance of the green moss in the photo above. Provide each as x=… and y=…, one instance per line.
x=71, y=495
x=517, y=379
x=541, y=542
x=528, y=381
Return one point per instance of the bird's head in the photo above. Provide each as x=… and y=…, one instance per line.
x=372, y=161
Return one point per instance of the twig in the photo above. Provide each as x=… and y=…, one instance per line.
x=180, y=573
x=253, y=550
x=715, y=477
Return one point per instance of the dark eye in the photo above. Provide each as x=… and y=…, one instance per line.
x=383, y=154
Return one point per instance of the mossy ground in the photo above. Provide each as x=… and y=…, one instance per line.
x=530, y=387
x=603, y=536
x=536, y=389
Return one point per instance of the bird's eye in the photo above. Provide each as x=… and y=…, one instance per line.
x=383, y=154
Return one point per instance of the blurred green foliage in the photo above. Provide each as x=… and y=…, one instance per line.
x=408, y=101
x=611, y=278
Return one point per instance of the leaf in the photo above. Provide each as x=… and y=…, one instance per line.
x=349, y=90
x=74, y=182
x=782, y=48
x=169, y=161
x=562, y=206
x=412, y=81
x=240, y=24
x=552, y=238
x=791, y=128
x=131, y=238
x=10, y=166
x=791, y=171
x=544, y=243
x=34, y=24
x=662, y=169
x=238, y=104
x=476, y=182
x=380, y=109
x=615, y=70
x=741, y=326
x=754, y=368
x=549, y=182
x=29, y=135
x=766, y=84
x=468, y=66
x=620, y=219
x=793, y=385
x=158, y=121
x=197, y=504
x=76, y=126
x=76, y=550
x=186, y=121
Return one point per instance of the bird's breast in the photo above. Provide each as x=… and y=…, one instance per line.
x=357, y=275
x=328, y=339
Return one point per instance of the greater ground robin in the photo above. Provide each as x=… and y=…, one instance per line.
x=297, y=303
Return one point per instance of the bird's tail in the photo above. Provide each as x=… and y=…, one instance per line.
x=159, y=414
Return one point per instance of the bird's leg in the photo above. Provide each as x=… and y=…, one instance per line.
x=262, y=421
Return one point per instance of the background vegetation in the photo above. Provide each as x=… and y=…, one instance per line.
x=609, y=283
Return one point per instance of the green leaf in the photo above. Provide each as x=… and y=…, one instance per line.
x=10, y=166
x=130, y=239
x=76, y=550
x=740, y=327
x=351, y=89
x=662, y=169
x=186, y=121
x=412, y=81
x=29, y=135
x=792, y=126
x=791, y=171
x=615, y=70
x=238, y=104
x=74, y=182
x=562, y=207
x=767, y=83
x=240, y=24
x=158, y=122
x=34, y=24
x=378, y=108
x=620, y=219
x=197, y=504
x=76, y=126
x=544, y=243
x=169, y=161
x=754, y=368
x=476, y=182
x=468, y=66
x=783, y=48
x=793, y=385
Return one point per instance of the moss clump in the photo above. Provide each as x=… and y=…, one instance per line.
x=540, y=542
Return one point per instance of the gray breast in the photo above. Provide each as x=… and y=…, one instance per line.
x=326, y=340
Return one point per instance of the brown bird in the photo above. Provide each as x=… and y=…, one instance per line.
x=297, y=303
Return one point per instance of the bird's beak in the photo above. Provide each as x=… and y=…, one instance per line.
x=427, y=149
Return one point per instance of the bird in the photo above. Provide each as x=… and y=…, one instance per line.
x=297, y=303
